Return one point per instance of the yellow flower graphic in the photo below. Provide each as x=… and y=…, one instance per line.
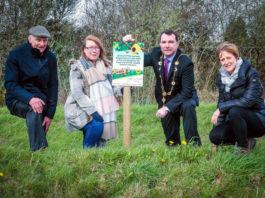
x=138, y=71
x=113, y=71
x=184, y=142
x=163, y=161
x=1, y=174
x=135, y=48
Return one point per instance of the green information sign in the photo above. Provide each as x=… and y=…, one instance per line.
x=128, y=61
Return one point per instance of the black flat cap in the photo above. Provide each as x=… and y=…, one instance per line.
x=39, y=31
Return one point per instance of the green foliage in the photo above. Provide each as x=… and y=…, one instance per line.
x=256, y=28
x=247, y=31
x=65, y=170
x=236, y=32
x=201, y=25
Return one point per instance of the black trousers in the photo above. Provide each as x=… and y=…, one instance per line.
x=171, y=124
x=36, y=132
x=240, y=125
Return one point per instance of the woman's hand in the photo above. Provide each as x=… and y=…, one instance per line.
x=215, y=116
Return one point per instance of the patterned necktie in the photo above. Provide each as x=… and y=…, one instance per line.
x=166, y=68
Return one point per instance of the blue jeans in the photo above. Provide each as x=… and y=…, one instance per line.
x=92, y=134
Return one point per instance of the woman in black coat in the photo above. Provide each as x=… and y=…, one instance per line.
x=240, y=114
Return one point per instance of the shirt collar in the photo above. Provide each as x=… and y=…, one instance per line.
x=170, y=58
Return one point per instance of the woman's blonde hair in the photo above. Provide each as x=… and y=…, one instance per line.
x=227, y=47
x=102, y=54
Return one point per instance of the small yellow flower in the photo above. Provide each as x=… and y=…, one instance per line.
x=163, y=161
x=153, y=150
x=171, y=142
x=138, y=71
x=184, y=142
x=1, y=174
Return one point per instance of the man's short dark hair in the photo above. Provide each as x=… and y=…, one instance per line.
x=169, y=32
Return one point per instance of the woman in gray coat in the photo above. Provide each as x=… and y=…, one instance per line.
x=91, y=105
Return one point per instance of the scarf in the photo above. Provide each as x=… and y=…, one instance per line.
x=86, y=64
x=97, y=86
x=228, y=79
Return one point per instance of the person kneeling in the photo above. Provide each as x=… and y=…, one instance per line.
x=240, y=114
x=91, y=105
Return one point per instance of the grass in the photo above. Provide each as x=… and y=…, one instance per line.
x=66, y=170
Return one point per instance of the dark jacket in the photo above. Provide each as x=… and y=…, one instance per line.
x=32, y=74
x=245, y=92
x=184, y=78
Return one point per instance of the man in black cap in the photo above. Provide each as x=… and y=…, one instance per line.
x=31, y=84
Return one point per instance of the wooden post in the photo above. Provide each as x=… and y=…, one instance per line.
x=127, y=116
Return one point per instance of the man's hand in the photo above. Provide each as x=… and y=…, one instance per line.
x=215, y=116
x=162, y=112
x=36, y=104
x=46, y=123
x=128, y=38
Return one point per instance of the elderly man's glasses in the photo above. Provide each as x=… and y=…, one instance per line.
x=92, y=48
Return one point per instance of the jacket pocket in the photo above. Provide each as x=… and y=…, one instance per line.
x=72, y=110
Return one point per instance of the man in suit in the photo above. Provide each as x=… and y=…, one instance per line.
x=174, y=91
x=31, y=84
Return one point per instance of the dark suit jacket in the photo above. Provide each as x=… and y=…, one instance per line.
x=31, y=74
x=184, y=88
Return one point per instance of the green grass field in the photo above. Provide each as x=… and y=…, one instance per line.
x=145, y=169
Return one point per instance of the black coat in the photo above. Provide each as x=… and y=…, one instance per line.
x=245, y=92
x=31, y=74
x=184, y=78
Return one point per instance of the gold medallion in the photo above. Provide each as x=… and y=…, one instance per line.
x=173, y=83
